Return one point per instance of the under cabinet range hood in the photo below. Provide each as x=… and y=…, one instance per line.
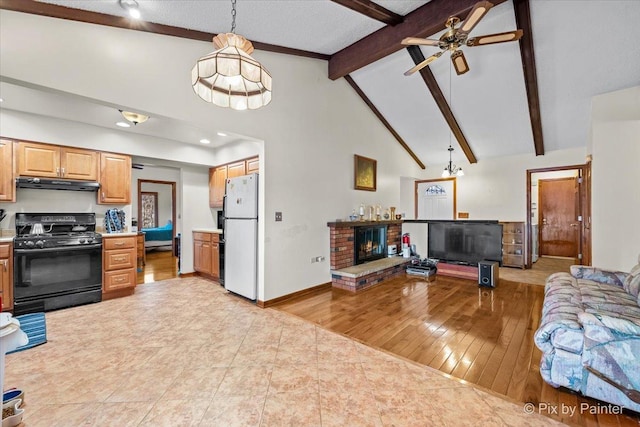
x=56, y=184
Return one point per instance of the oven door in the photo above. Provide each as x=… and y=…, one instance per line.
x=43, y=273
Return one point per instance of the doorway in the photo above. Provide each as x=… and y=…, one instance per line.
x=559, y=213
x=435, y=199
x=156, y=212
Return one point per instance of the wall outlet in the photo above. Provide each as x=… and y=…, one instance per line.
x=278, y=216
x=317, y=259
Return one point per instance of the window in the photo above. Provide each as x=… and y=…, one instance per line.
x=435, y=190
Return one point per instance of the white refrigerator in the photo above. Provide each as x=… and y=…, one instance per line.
x=241, y=236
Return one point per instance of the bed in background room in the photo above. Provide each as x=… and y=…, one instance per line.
x=158, y=237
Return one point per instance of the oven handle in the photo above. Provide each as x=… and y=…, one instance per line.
x=58, y=249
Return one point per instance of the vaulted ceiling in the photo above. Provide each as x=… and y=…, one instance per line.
x=531, y=96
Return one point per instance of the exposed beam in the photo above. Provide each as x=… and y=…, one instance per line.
x=422, y=22
x=372, y=10
x=438, y=96
x=55, y=11
x=384, y=121
x=523, y=21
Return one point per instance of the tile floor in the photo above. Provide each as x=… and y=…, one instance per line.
x=184, y=352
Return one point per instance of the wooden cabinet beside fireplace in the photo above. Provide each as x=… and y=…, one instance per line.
x=6, y=275
x=119, y=259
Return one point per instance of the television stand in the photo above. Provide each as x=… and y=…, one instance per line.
x=459, y=270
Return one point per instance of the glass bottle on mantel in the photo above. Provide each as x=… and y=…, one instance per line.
x=361, y=212
x=392, y=213
x=377, y=212
x=371, y=215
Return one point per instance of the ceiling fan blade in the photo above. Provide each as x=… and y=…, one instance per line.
x=419, y=41
x=459, y=62
x=477, y=13
x=424, y=63
x=509, y=36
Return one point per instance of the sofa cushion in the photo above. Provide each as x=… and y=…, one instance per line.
x=631, y=283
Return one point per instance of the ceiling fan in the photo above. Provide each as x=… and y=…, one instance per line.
x=457, y=37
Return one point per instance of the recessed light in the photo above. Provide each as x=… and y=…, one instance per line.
x=205, y=141
x=222, y=134
x=1, y=100
x=123, y=124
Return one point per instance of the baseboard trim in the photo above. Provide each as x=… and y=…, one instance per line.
x=272, y=302
x=184, y=275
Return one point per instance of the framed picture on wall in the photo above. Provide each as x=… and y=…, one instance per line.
x=364, y=170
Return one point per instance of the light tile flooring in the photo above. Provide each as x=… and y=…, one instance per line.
x=184, y=352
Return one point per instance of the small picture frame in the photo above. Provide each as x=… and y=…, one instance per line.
x=364, y=173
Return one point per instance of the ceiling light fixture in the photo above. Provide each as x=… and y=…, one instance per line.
x=222, y=134
x=229, y=77
x=123, y=124
x=451, y=169
x=205, y=141
x=134, y=118
x=132, y=8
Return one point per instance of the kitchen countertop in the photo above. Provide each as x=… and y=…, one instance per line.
x=207, y=230
x=127, y=234
x=6, y=239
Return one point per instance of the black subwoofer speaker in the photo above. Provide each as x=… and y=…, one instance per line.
x=488, y=274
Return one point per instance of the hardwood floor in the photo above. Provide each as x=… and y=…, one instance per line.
x=160, y=265
x=483, y=336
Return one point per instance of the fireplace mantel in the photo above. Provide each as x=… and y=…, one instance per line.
x=353, y=224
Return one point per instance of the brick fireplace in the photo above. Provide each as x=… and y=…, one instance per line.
x=343, y=255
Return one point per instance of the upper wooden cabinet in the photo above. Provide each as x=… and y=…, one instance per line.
x=52, y=161
x=7, y=185
x=236, y=169
x=218, y=178
x=115, y=179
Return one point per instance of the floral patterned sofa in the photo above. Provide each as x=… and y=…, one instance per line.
x=590, y=334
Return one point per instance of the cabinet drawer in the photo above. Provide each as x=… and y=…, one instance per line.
x=115, y=260
x=118, y=243
x=205, y=237
x=114, y=280
x=4, y=251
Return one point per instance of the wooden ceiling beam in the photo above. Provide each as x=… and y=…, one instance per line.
x=55, y=11
x=372, y=10
x=384, y=121
x=422, y=22
x=438, y=96
x=523, y=21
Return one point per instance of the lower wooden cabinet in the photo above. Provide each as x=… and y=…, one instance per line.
x=119, y=259
x=6, y=275
x=514, y=246
x=206, y=254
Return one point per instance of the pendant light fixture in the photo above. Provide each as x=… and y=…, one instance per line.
x=229, y=77
x=451, y=169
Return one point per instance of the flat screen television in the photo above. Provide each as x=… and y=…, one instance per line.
x=465, y=242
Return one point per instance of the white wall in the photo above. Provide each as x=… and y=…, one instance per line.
x=311, y=129
x=615, y=146
x=495, y=188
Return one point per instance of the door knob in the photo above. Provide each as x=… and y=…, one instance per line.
x=574, y=224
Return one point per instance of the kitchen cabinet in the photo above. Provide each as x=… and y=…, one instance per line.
x=217, y=181
x=119, y=258
x=52, y=161
x=6, y=275
x=218, y=177
x=115, y=179
x=7, y=184
x=206, y=254
x=513, y=244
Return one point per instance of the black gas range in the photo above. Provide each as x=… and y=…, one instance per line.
x=57, y=261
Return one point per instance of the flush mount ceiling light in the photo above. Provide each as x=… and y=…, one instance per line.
x=134, y=118
x=205, y=141
x=123, y=124
x=131, y=6
x=222, y=134
x=229, y=77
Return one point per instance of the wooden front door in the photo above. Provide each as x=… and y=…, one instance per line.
x=558, y=201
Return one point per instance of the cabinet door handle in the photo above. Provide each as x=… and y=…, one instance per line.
x=102, y=196
x=120, y=259
x=62, y=171
x=58, y=171
x=118, y=244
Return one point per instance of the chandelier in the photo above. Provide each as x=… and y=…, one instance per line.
x=451, y=169
x=229, y=77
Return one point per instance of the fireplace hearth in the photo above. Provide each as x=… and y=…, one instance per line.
x=370, y=243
